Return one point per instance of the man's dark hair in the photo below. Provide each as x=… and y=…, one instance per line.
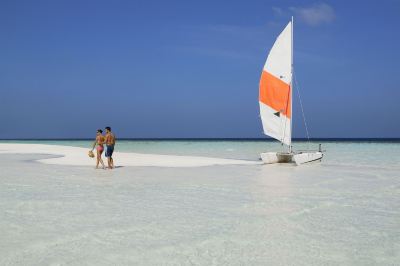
x=108, y=128
x=99, y=130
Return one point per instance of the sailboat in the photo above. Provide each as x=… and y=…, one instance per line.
x=275, y=99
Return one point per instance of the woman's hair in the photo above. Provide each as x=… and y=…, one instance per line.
x=99, y=131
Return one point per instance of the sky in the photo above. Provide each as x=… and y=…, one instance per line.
x=191, y=69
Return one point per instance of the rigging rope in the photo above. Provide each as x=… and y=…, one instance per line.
x=302, y=110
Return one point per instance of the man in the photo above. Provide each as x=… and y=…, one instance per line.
x=110, y=142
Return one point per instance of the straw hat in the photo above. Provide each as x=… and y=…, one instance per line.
x=91, y=154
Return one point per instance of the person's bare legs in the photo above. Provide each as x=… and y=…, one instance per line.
x=102, y=163
x=99, y=159
x=110, y=163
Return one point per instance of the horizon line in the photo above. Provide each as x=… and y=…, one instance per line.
x=211, y=139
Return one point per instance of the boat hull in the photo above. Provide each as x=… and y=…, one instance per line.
x=276, y=157
x=297, y=158
x=307, y=157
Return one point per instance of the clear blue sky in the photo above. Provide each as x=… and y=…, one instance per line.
x=191, y=68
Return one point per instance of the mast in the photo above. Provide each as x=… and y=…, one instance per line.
x=291, y=92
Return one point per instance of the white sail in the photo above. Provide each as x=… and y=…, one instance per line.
x=275, y=95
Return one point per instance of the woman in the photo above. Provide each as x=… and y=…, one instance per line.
x=100, y=139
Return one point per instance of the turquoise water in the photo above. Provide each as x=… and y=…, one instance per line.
x=343, y=211
x=358, y=153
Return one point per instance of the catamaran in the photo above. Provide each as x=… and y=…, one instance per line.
x=275, y=99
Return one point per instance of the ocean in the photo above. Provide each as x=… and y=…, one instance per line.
x=383, y=153
x=342, y=211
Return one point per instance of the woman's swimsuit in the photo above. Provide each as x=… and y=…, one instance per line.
x=100, y=147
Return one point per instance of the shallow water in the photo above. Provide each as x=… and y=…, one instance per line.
x=384, y=154
x=343, y=211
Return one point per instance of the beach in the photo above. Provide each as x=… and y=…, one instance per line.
x=73, y=156
x=198, y=203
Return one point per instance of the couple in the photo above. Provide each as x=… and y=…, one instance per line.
x=109, y=140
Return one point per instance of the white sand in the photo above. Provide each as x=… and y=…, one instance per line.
x=67, y=155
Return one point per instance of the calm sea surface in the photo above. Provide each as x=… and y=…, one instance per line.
x=384, y=154
x=343, y=211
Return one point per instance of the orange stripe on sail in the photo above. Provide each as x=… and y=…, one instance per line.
x=275, y=93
